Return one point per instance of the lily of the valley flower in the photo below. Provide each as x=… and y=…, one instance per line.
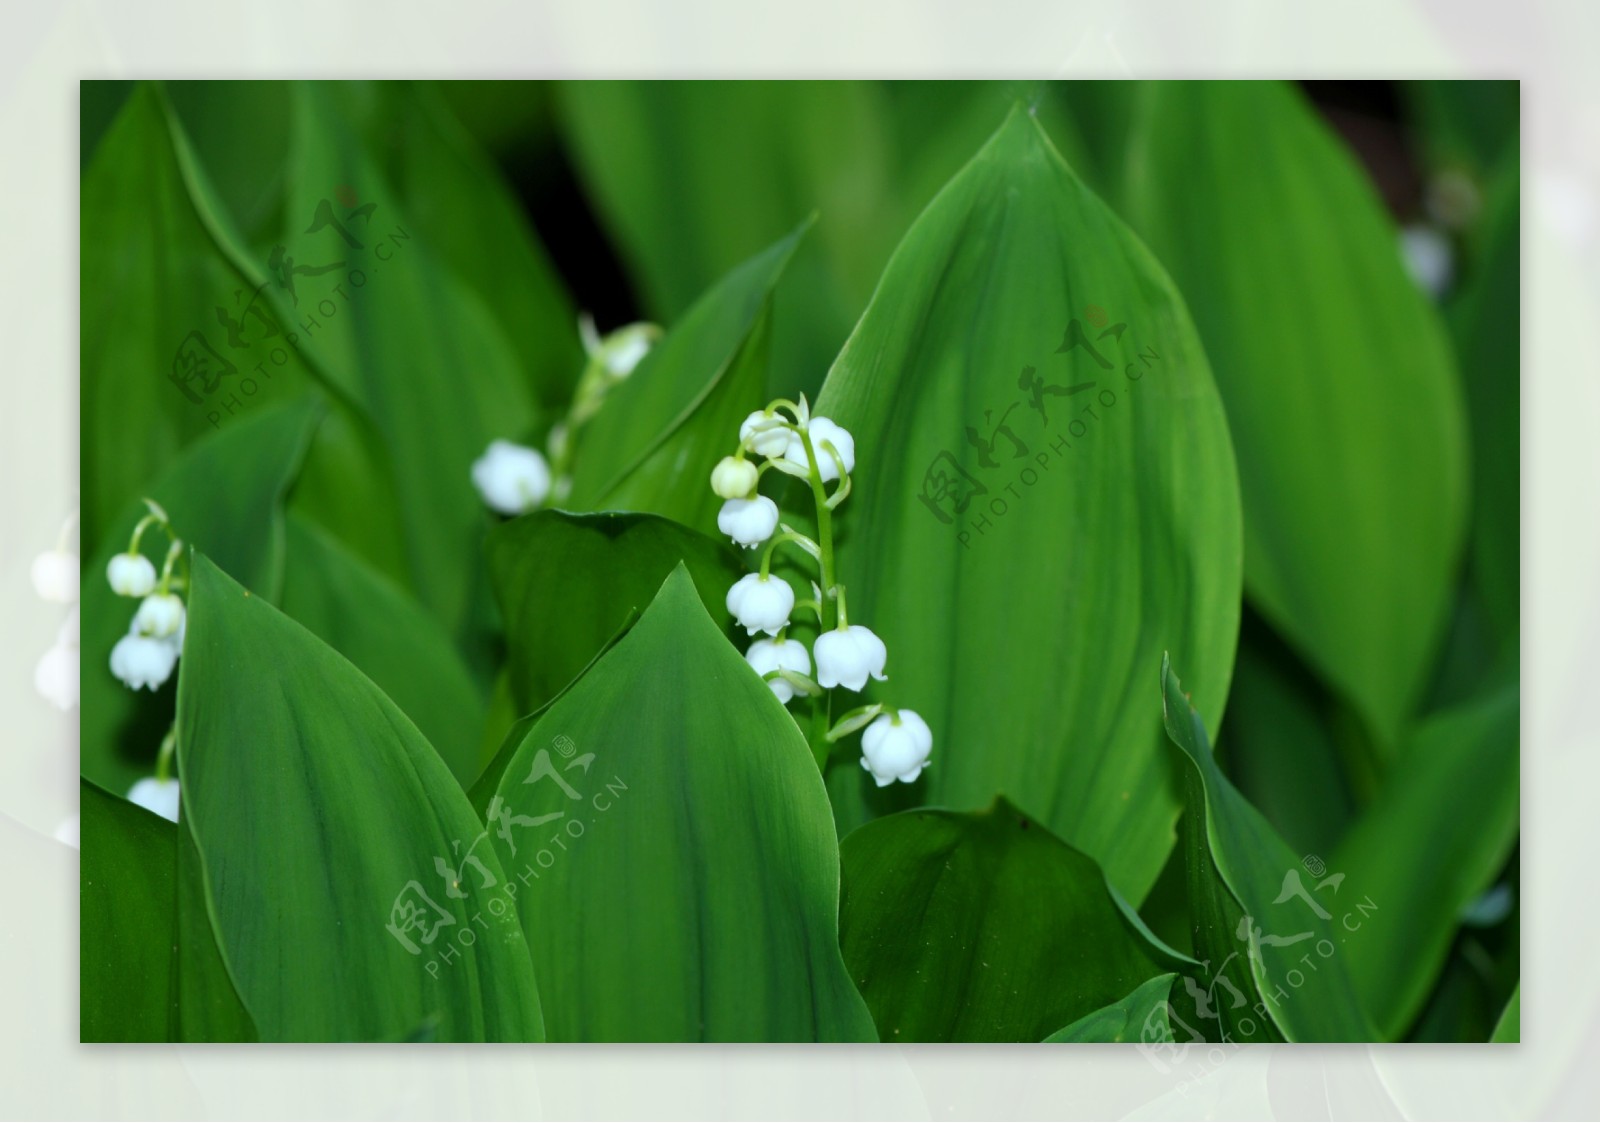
x=140, y=661
x=160, y=615
x=824, y=435
x=734, y=477
x=620, y=351
x=511, y=478
x=55, y=576
x=765, y=434
x=847, y=657
x=761, y=603
x=131, y=575
x=767, y=655
x=896, y=747
x=160, y=796
x=749, y=522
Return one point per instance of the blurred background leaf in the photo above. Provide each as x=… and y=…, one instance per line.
x=1337, y=377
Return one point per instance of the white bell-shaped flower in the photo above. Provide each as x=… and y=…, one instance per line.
x=131, y=575
x=847, y=657
x=767, y=655
x=160, y=615
x=734, y=477
x=511, y=477
x=749, y=522
x=764, y=434
x=55, y=676
x=141, y=661
x=55, y=576
x=896, y=747
x=824, y=435
x=761, y=604
x=160, y=796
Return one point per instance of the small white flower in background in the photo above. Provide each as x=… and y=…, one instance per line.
x=622, y=350
x=896, y=747
x=824, y=433
x=140, y=661
x=55, y=576
x=761, y=604
x=56, y=676
x=511, y=478
x=160, y=796
x=131, y=575
x=767, y=655
x=749, y=522
x=734, y=477
x=765, y=434
x=848, y=656
x=1429, y=259
x=160, y=615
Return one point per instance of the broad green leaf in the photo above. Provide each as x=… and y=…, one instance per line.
x=1465, y=126
x=465, y=210
x=389, y=638
x=209, y=1006
x=677, y=877
x=128, y=908
x=1140, y=1017
x=652, y=445
x=983, y=927
x=1280, y=745
x=1485, y=323
x=240, y=134
x=690, y=178
x=1433, y=841
x=342, y=865
x=567, y=582
x=225, y=495
x=399, y=334
x=1337, y=377
x=1509, y=1028
x=158, y=364
x=1253, y=908
x=1025, y=584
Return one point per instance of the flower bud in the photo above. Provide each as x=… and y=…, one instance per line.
x=767, y=655
x=824, y=435
x=896, y=748
x=848, y=656
x=511, y=478
x=761, y=604
x=749, y=522
x=131, y=575
x=160, y=615
x=734, y=477
x=764, y=434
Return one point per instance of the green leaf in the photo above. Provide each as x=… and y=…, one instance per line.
x=677, y=878
x=652, y=445
x=983, y=927
x=1439, y=832
x=1336, y=374
x=1139, y=1017
x=1485, y=323
x=225, y=495
x=390, y=639
x=1465, y=126
x=1254, y=913
x=320, y=817
x=401, y=336
x=567, y=582
x=128, y=907
x=1023, y=600
x=153, y=285
x=1509, y=1027
x=690, y=178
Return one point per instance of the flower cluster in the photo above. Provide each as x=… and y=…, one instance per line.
x=513, y=479
x=147, y=655
x=786, y=438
